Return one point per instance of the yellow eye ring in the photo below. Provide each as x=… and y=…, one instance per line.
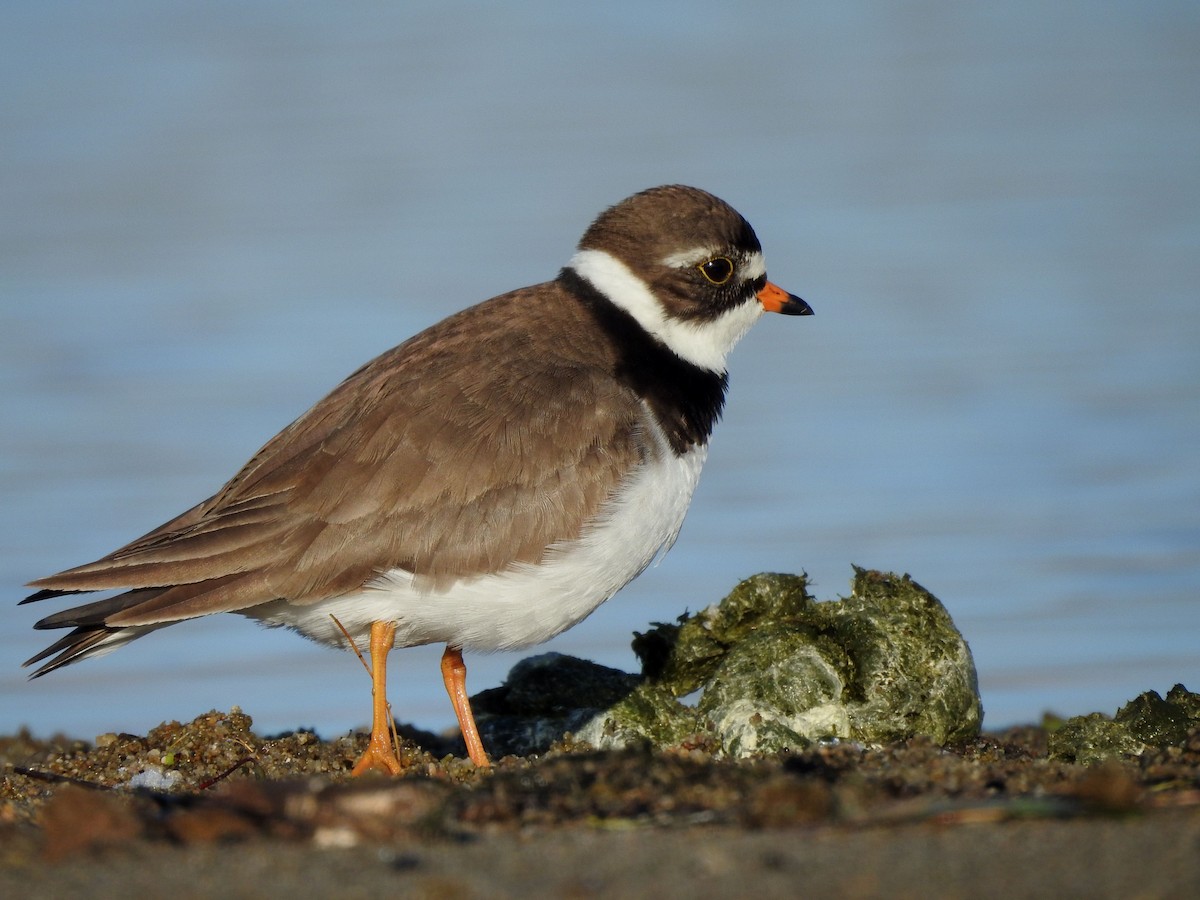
x=717, y=270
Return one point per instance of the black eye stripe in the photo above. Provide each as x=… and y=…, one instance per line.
x=717, y=270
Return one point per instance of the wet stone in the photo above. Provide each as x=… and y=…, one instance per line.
x=779, y=670
x=1146, y=722
x=543, y=698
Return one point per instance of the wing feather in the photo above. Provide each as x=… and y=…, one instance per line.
x=445, y=456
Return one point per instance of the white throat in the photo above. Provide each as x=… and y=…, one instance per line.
x=705, y=343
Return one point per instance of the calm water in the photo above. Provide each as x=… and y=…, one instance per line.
x=209, y=214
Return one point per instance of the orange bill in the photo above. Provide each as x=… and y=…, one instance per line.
x=775, y=299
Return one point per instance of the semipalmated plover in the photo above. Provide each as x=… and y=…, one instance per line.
x=486, y=484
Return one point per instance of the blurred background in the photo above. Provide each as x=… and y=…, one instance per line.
x=212, y=212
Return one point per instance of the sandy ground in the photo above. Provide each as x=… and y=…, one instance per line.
x=208, y=808
x=1141, y=856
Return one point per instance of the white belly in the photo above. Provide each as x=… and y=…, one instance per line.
x=525, y=604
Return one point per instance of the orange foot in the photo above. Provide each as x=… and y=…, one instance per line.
x=454, y=673
x=379, y=753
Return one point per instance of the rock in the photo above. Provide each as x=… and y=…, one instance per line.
x=911, y=671
x=543, y=698
x=1159, y=722
x=684, y=656
x=779, y=671
x=1091, y=739
x=1145, y=722
x=651, y=714
x=777, y=690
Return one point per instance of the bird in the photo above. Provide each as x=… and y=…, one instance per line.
x=486, y=484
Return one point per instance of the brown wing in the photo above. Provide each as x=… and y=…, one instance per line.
x=446, y=456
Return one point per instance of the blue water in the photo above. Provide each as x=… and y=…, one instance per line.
x=210, y=213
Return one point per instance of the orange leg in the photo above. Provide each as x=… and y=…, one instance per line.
x=380, y=754
x=454, y=673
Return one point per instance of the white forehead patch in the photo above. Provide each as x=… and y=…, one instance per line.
x=750, y=266
x=704, y=343
x=685, y=259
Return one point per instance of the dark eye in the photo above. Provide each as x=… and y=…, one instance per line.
x=717, y=270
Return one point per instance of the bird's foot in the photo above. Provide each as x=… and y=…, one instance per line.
x=379, y=755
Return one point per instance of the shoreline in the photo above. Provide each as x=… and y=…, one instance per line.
x=248, y=816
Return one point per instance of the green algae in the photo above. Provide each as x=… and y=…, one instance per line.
x=651, y=714
x=780, y=670
x=683, y=656
x=1145, y=722
x=913, y=671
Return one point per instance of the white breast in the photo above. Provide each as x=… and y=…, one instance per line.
x=525, y=604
